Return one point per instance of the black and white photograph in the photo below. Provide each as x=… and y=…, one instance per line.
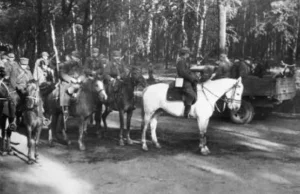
x=149, y=96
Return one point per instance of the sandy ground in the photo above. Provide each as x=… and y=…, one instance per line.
x=261, y=157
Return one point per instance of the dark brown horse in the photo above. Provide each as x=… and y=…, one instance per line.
x=92, y=91
x=123, y=102
x=8, y=95
x=32, y=117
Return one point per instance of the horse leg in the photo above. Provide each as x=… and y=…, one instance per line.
x=3, y=134
x=202, y=124
x=36, y=143
x=121, y=117
x=50, y=130
x=29, y=143
x=153, y=126
x=60, y=121
x=128, y=123
x=98, y=115
x=104, y=116
x=146, y=121
x=8, y=146
x=82, y=129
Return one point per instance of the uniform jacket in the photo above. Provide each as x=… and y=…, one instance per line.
x=94, y=64
x=19, y=77
x=223, y=70
x=115, y=69
x=183, y=71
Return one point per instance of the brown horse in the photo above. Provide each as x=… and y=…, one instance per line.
x=32, y=117
x=8, y=95
x=123, y=102
x=91, y=92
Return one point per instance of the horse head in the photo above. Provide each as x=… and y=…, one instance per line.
x=99, y=89
x=31, y=94
x=137, y=77
x=234, y=95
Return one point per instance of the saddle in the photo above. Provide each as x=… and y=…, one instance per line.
x=175, y=93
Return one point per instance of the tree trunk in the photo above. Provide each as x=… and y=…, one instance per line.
x=85, y=28
x=39, y=26
x=53, y=37
x=184, y=35
x=74, y=30
x=296, y=35
x=222, y=27
x=150, y=29
x=201, y=28
x=90, y=28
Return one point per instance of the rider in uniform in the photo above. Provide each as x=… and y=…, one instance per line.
x=42, y=72
x=71, y=76
x=114, y=73
x=93, y=65
x=190, y=80
x=224, y=68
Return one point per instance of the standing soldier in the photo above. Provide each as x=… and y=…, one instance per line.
x=190, y=80
x=71, y=76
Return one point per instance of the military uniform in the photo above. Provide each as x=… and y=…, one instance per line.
x=224, y=68
x=94, y=65
x=190, y=81
x=69, y=71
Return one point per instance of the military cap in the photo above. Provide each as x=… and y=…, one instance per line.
x=24, y=61
x=75, y=54
x=185, y=50
x=4, y=57
x=45, y=54
x=95, y=50
x=11, y=55
x=116, y=54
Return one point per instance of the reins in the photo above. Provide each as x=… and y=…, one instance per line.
x=226, y=100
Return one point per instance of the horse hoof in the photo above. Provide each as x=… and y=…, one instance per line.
x=4, y=153
x=81, y=147
x=121, y=143
x=69, y=142
x=30, y=161
x=145, y=148
x=10, y=152
x=205, y=151
x=129, y=142
x=158, y=146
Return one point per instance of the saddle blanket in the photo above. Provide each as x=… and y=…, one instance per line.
x=174, y=93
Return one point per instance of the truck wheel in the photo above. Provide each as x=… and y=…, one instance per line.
x=244, y=115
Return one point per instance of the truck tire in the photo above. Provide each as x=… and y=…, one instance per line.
x=244, y=115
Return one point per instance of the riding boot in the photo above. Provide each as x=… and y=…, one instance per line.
x=187, y=110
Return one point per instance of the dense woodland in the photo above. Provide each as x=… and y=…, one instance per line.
x=153, y=30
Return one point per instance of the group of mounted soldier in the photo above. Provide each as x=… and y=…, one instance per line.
x=67, y=77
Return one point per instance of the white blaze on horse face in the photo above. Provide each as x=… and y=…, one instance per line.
x=234, y=96
x=99, y=86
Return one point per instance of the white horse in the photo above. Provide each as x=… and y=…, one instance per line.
x=154, y=99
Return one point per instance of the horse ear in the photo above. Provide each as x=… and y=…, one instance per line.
x=240, y=79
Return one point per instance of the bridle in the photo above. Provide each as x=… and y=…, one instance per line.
x=226, y=99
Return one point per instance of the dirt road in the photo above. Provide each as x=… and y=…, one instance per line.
x=261, y=157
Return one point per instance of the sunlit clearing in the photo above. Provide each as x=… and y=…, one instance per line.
x=207, y=167
x=49, y=173
x=274, y=178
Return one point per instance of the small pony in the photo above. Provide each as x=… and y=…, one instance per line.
x=154, y=99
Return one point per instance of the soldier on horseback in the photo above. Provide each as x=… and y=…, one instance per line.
x=190, y=80
x=114, y=74
x=94, y=64
x=42, y=72
x=71, y=77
